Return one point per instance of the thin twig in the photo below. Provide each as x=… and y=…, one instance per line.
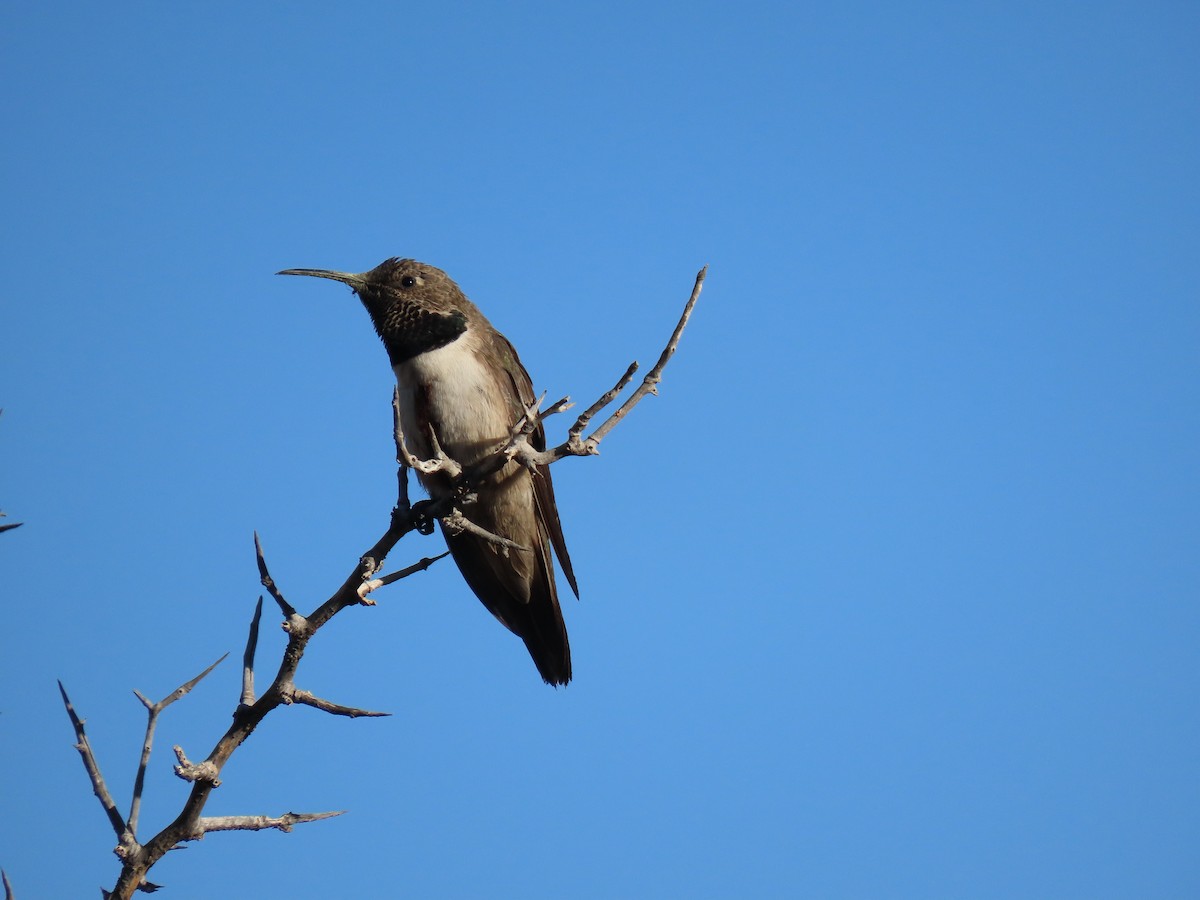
x=306, y=698
x=649, y=384
x=456, y=522
x=153, y=710
x=268, y=582
x=9, y=894
x=248, y=656
x=376, y=583
x=606, y=398
x=205, y=775
x=261, y=823
x=439, y=461
x=521, y=449
x=93, y=769
x=403, y=506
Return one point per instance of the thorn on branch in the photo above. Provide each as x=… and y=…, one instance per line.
x=456, y=523
x=153, y=710
x=606, y=398
x=576, y=444
x=248, y=656
x=421, y=566
x=99, y=788
x=261, y=823
x=529, y=419
x=654, y=376
x=306, y=698
x=268, y=582
x=186, y=688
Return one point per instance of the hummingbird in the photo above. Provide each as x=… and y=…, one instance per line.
x=460, y=381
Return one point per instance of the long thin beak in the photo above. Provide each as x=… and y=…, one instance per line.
x=355, y=281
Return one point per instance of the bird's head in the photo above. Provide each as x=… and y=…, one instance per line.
x=414, y=307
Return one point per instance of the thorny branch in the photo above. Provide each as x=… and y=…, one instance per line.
x=138, y=858
x=153, y=709
x=99, y=788
x=261, y=823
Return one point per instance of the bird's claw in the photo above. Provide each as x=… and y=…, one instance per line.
x=421, y=521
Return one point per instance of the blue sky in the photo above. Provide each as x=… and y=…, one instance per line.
x=892, y=591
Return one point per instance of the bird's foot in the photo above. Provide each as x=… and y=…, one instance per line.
x=422, y=521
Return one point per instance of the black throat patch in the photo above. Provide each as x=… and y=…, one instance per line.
x=408, y=330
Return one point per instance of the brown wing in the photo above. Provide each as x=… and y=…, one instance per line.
x=543, y=485
x=518, y=588
x=526, y=605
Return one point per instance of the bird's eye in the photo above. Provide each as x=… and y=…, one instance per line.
x=408, y=281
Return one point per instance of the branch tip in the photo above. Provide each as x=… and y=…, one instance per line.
x=307, y=698
x=248, y=656
x=284, y=823
x=99, y=788
x=268, y=582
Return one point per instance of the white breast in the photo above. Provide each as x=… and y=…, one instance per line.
x=469, y=409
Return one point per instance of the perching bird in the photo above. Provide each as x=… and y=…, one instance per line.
x=461, y=378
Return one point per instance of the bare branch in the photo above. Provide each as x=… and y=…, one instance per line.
x=268, y=582
x=261, y=823
x=154, y=709
x=93, y=769
x=403, y=506
x=530, y=418
x=649, y=384
x=606, y=398
x=205, y=775
x=186, y=687
x=439, y=462
x=406, y=456
x=8, y=888
x=248, y=656
x=456, y=523
x=308, y=699
x=375, y=583
x=522, y=450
